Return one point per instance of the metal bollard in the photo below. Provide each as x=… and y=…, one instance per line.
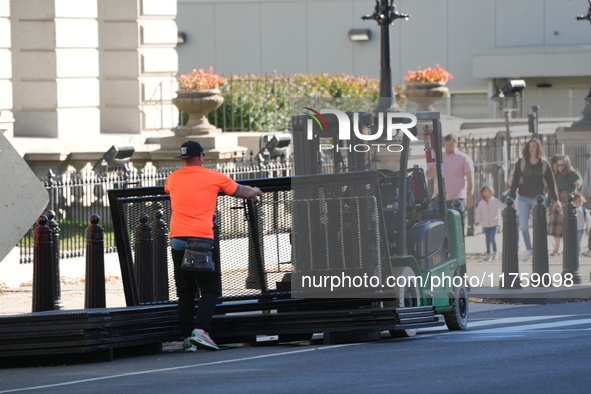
x=94, y=295
x=143, y=260
x=160, y=256
x=570, y=255
x=43, y=278
x=509, y=280
x=540, y=238
x=55, y=261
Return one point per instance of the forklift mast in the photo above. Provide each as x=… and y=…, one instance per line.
x=319, y=151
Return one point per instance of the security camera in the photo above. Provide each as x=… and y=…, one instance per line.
x=513, y=86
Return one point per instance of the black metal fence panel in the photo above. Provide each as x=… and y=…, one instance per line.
x=337, y=212
x=254, y=242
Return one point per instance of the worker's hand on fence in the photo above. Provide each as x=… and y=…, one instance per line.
x=257, y=195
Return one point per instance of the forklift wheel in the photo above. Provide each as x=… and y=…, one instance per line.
x=407, y=296
x=457, y=318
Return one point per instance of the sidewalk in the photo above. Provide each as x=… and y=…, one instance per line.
x=16, y=291
x=489, y=274
x=16, y=281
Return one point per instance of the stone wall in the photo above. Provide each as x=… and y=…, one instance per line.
x=6, y=119
x=138, y=63
x=55, y=68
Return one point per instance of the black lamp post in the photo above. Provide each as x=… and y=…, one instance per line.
x=511, y=89
x=385, y=14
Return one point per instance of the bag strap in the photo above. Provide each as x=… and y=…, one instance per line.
x=522, y=165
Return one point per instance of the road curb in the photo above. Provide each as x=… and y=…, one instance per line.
x=549, y=295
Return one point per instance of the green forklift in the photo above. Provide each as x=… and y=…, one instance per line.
x=410, y=245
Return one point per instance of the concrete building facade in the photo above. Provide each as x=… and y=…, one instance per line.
x=77, y=76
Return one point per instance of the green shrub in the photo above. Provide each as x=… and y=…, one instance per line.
x=263, y=102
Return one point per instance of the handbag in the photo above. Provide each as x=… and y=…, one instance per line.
x=198, y=255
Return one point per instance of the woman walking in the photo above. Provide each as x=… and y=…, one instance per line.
x=568, y=180
x=528, y=181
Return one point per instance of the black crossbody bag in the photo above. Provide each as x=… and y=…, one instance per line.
x=198, y=255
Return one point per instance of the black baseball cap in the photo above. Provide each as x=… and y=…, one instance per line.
x=190, y=149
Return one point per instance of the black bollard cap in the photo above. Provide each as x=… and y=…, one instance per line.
x=50, y=214
x=42, y=221
x=540, y=199
x=509, y=201
x=95, y=219
x=569, y=198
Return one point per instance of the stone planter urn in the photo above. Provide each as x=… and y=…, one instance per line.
x=197, y=103
x=425, y=93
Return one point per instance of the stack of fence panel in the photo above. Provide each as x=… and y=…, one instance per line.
x=83, y=331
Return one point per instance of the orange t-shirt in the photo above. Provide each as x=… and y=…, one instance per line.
x=193, y=194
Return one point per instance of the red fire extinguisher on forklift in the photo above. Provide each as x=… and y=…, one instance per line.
x=429, y=138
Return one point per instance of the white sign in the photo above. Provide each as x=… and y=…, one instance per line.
x=22, y=197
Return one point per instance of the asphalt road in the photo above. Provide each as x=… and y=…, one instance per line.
x=507, y=348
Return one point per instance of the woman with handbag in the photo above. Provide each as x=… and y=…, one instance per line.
x=528, y=182
x=568, y=180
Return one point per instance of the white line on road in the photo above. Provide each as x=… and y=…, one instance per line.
x=180, y=367
x=511, y=320
x=494, y=322
x=538, y=326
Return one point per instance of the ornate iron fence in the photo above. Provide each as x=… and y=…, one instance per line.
x=75, y=196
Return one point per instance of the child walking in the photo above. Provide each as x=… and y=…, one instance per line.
x=583, y=218
x=488, y=214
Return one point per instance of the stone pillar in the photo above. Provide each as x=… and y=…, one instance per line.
x=583, y=124
x=577, y=136
x=55, y=64
x=138, y=62
x=6, y=119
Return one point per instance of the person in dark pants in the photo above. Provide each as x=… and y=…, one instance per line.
x=193, y=191
x=528, y=182
x=568, y=180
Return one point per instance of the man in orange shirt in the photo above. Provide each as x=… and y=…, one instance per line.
x=193, y=192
